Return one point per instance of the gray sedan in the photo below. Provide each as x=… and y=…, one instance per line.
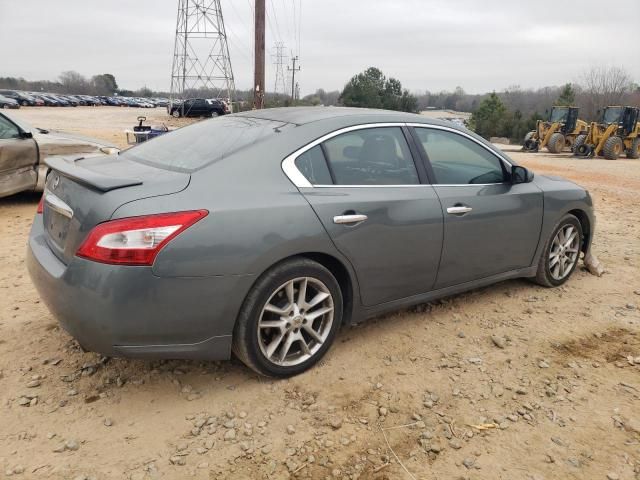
x=262, y=233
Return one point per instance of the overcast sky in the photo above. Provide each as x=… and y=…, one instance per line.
x=426, y=44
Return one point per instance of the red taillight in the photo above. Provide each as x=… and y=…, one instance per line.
x=40, y=205
x=136, y=240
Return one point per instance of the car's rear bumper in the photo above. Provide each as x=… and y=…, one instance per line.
x=129, y=311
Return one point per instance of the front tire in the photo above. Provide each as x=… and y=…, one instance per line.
x=634, y=151
x=580, y=139
x=556, y=143
x=612, y=148
x=561, y=253
x=175, y=114
x=289, y=319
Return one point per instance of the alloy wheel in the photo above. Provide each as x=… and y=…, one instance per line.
x=295, y=321
x=564, y=252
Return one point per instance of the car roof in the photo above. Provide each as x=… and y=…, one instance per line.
x=305, y=115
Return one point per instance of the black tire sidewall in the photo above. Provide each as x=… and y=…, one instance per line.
x=261, y=293
x=568, y=219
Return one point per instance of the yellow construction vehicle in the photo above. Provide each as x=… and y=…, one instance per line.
x=560, y=131
x=617, y=133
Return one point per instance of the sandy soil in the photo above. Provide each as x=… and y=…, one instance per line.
x=513, y=381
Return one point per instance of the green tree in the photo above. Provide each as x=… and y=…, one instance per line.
x=104, y=84
x=371, y=89
x=488, y=120
x=567, y=96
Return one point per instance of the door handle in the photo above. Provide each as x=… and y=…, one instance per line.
x=349, y=219
x=459, y=210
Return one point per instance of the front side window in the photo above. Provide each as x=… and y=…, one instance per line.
x=457, y=160
x=8, y=129
x=372, y=156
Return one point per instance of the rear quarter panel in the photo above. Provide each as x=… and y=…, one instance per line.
x=257, y=217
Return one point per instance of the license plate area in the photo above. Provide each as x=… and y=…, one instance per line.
x=56, y=226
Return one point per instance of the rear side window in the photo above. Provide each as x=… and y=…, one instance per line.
x=314, y=167
x=200, y=144
x=457, y=160
x=372, y=156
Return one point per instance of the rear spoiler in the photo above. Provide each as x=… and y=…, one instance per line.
x=105, y=183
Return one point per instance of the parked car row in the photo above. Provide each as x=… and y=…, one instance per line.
x=17, y=98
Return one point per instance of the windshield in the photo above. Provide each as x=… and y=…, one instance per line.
x=559, y=115
x=612, y=115
x=198, y=145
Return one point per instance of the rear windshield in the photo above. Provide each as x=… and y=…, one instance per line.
x=198, y=145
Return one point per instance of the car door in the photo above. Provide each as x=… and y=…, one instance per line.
x=363, y=184
x=18, y=159
x=490, y=225
x=200, y=107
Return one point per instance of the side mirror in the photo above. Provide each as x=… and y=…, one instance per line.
x=24, y=134
x=520, y=175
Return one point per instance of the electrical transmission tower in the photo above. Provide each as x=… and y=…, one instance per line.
x=279, y=60
x=201, y=54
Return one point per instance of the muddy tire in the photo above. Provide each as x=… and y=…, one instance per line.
x=289, y=319
x=580, y=139
x=556, y=143
x=561, y=253
x=634, y=151
x=612, y=149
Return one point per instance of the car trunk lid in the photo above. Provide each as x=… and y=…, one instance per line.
x=82, y=192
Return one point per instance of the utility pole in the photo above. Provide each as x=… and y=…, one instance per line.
x=258, y=79
x=293, y=76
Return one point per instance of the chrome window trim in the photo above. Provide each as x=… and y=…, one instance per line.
x=300, y=181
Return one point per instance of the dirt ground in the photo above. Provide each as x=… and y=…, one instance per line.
x=512, y=381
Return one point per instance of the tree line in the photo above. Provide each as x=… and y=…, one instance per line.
x=508, y=113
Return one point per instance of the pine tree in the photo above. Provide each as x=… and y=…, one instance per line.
x=567, y=96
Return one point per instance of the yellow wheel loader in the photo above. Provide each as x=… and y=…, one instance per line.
x=560, y=131
x=617, y=133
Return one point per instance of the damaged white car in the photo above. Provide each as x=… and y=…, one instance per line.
x=24, y=148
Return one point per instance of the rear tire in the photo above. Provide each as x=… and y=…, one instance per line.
x=580, y=139
x=271, y=335
x=634, y=151
x=560, y=256
x=612, y=149
x=556, y=143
